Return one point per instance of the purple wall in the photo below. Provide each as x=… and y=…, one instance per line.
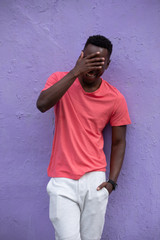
x=40, y=37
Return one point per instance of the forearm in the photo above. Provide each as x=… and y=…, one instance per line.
x=52, y=95
x=116, y=161
x=117, y=155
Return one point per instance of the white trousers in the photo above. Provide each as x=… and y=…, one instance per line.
x=77, y=209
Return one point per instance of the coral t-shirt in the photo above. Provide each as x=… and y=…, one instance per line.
x=80, y=118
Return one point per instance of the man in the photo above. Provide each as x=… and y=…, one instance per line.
x=83, y=103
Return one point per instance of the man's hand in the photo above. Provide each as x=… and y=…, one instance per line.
x=106, y=185
x=88, y=63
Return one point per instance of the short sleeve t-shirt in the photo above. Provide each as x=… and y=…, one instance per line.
x=80, y=118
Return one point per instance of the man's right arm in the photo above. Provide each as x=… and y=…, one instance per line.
x=48, y=98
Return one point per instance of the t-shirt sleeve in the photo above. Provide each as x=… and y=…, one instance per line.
x=51, y=81
x=120, y=114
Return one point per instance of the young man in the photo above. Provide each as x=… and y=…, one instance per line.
x=83, y=103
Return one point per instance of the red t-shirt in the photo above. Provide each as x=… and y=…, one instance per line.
x=80, y=118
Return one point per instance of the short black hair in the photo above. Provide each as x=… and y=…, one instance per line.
x=100, y=41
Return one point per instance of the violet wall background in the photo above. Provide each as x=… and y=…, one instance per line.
x=40, y=37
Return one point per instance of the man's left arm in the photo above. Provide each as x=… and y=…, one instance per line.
x=117, y=155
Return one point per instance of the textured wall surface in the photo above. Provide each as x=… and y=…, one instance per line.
x=40, y=37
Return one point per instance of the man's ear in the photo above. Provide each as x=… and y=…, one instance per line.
x=81, y=55
x=107, y=65
x=83, y=52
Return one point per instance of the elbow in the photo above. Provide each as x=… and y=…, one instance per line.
x=119, y=142
x=43, y=103
x=40, y=106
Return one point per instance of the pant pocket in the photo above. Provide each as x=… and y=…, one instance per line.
x=48, y=186
x=54, y=209
x=106, y=191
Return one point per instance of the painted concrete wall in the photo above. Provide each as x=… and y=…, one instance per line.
x=40, y=37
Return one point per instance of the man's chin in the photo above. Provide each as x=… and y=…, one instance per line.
x=90, y=82
x=90, y=78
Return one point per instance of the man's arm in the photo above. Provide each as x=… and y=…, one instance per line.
x=117, y=155
x=48, y=98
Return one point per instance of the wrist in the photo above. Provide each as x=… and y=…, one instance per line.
x=109, y=187
x=74, y=73
x=113, y=183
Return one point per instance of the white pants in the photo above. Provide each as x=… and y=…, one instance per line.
x=77, y=209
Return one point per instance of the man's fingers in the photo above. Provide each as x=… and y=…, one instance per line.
x=101, y=186
x=94, y=68
x=92, y=55
x=95, y=64
x=96, y=59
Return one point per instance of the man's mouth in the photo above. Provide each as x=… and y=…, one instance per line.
x=91, y=74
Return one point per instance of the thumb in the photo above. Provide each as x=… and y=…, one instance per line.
x=101, y=186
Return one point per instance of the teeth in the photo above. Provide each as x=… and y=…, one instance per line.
x=90, y=75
